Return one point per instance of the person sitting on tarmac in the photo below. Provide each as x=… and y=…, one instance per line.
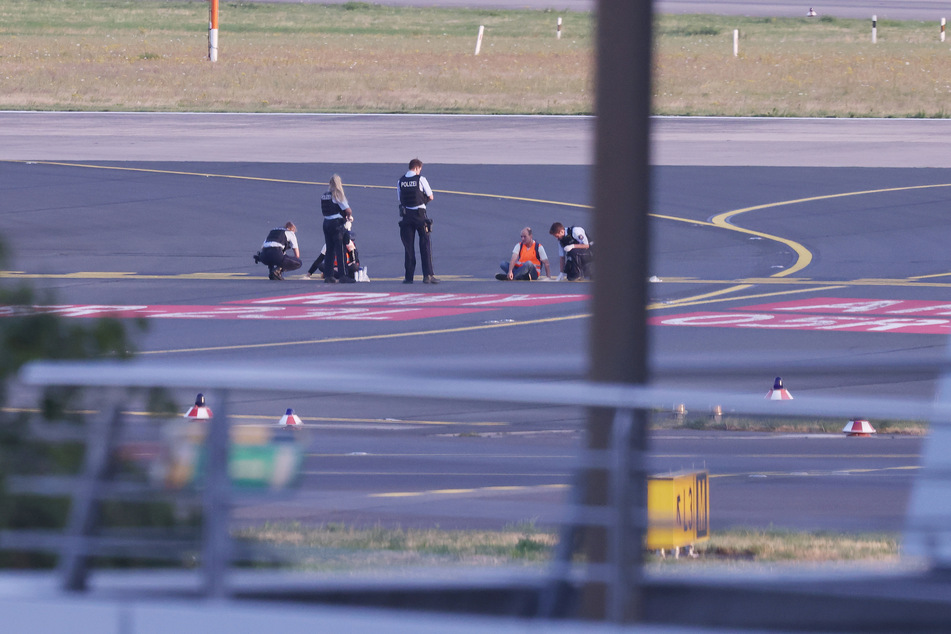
x=350, y=254
x=528, y=257
x=273, y=252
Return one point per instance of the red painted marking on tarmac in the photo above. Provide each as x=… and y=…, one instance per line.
x=419, y=299
x=367, y=313
x=849, y=306
x=319, y=306
x=772, y=321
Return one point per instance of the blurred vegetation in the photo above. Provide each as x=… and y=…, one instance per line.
x=778, y=545
x=336, y=546
x=27, y=334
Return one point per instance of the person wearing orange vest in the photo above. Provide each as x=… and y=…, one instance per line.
x=528, y=258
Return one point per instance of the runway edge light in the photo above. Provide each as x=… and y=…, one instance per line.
x=290, y=419
x=858, y=427
x=199, y=410
x=779, y=393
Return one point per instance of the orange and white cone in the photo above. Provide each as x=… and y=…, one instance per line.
x=778, y=393
x=198, y=410
x=858, y=427
x=290, y=419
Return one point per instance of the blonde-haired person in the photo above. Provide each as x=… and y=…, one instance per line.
x=336, y=211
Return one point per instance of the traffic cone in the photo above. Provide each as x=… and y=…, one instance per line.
x=290, y=419
x=198, y=410
x=858, y=427
x=778, y=393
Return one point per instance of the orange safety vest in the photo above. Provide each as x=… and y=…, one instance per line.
x=529, y=254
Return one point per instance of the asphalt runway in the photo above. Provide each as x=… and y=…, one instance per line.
x=165, y=211
x=186, y=232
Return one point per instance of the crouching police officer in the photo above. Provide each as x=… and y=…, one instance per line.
x=274, y=254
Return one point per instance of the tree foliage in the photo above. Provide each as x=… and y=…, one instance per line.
x=27, y=333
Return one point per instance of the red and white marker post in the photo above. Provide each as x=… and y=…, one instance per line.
x=213, y=30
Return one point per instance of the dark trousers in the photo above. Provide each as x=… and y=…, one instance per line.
x=413, y=223
x=578, y=264
x=274, y=256
x=333, y=238
x=353, y=262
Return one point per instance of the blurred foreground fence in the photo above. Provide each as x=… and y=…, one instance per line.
x=927, y=536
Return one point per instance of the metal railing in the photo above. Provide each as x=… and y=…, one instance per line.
x=621, y=574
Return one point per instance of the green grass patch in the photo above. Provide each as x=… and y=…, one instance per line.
x=334, y=547
x=778, y=424
x=341, y=547
x=791, y=546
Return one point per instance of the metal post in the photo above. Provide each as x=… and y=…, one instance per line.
x=213, y=30
x=618, y=351
x=84, y=509
x=629, y=487
x=216, y=503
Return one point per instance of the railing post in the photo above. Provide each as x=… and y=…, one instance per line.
x=216, y=502
x=618, y=351
x=629, y=488
x=84, y=508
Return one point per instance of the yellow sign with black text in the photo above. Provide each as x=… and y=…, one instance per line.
x=678, y=509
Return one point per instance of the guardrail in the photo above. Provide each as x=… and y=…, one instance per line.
x=928, y=521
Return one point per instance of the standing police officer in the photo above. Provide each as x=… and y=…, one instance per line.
x=336, y=211
x=414, y=193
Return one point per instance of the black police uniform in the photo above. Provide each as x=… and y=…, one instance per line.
x=273, y=254
x=414, y=221
x=577, y=261
x=333, y=238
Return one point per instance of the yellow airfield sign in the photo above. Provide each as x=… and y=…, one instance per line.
x=678, y=509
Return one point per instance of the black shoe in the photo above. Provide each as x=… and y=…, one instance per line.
x=407, y=281
x=502, y=277
x=430, y=279
x=271, y=273
x=330, y=280
x=346, y=279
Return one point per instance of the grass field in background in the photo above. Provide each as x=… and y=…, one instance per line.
x=286, y=57
x=800, y=67
x=359, y=57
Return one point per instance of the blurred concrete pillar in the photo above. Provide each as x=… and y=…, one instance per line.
x=619, y=327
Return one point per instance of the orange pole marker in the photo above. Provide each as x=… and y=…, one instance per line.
x=213, y=30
